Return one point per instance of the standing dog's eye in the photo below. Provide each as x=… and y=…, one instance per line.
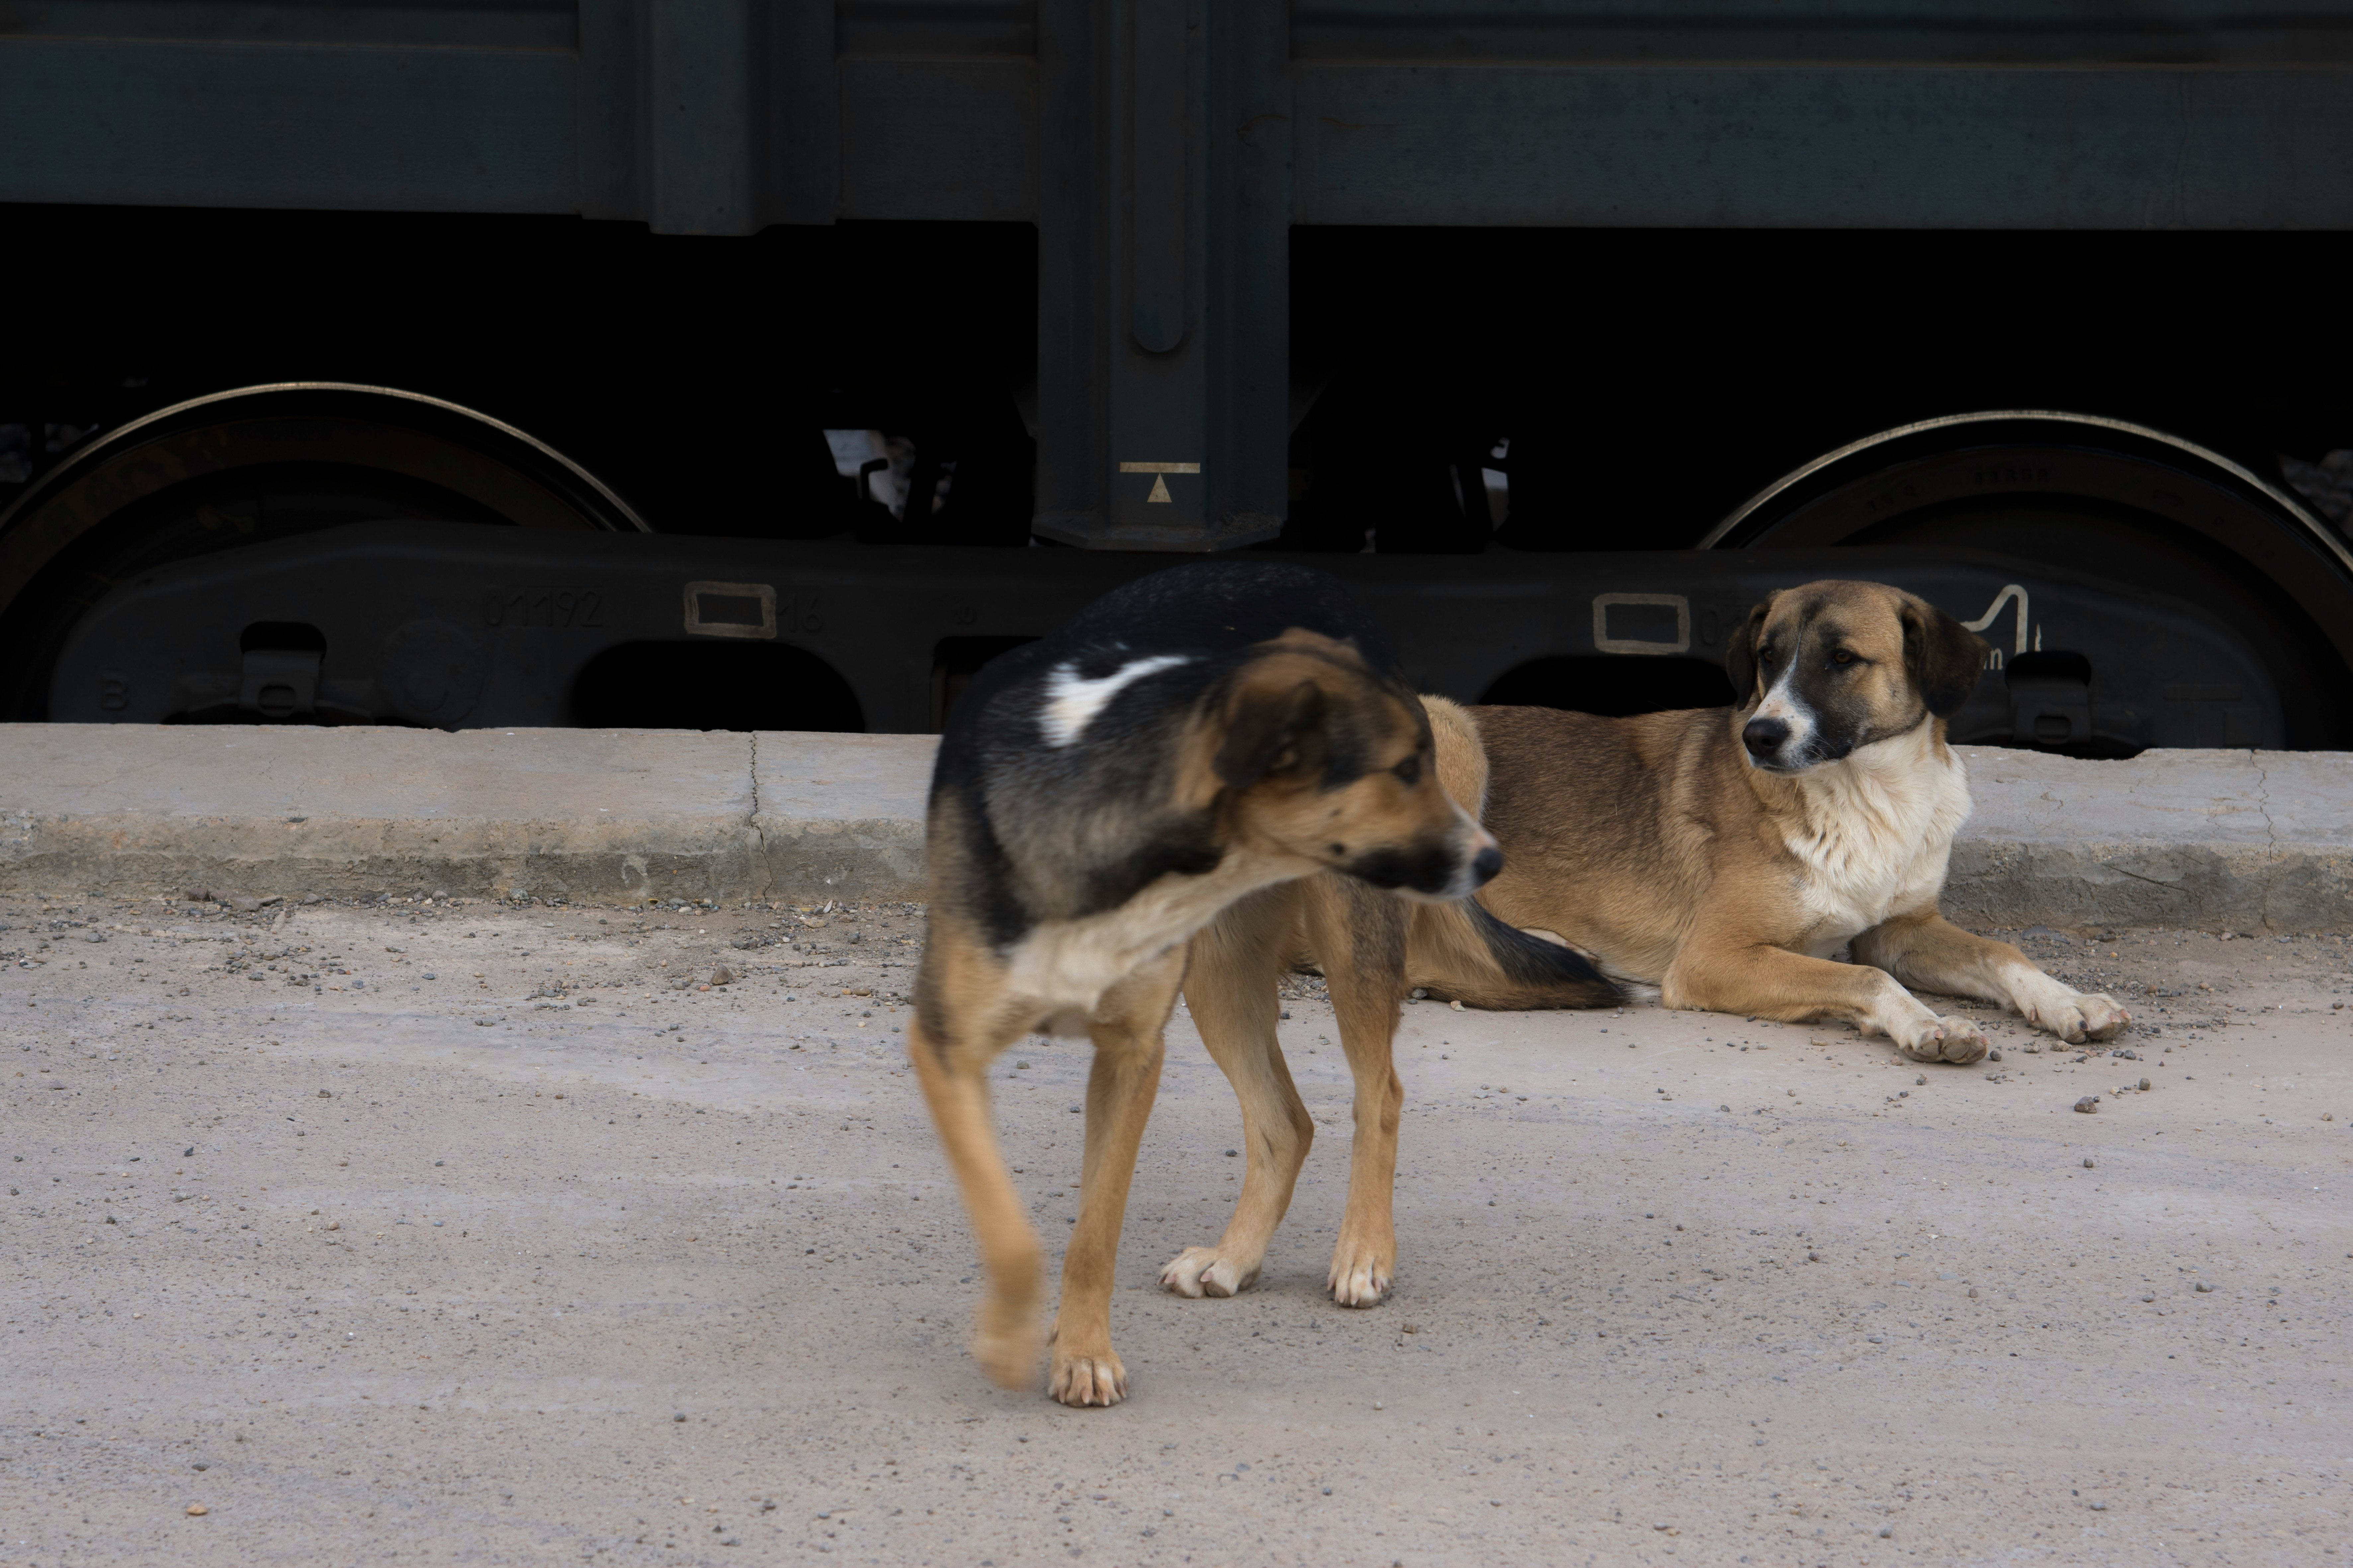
x=1764, y=655
x=1409, y=772
x=1842, y=656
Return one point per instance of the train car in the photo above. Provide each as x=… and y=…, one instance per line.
x=714, y=363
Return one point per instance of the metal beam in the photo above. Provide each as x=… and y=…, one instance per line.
x=170, y=123
x=1772, y=146
x=1164, y=218
x=711, y=117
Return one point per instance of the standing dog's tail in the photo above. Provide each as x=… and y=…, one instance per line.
x=1459, y=951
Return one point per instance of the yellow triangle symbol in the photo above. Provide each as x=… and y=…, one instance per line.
x=1159, y=489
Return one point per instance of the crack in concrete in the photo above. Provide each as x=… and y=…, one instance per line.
x=2137, y=877
x=763, y=878
x=2271, y=833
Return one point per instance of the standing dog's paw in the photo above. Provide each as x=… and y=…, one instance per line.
x=1360, y=1277
x=1005, y=1342
x=1199, y=1271
x=2082, y=1018
x=1088, y=1379
x=1954, y=1039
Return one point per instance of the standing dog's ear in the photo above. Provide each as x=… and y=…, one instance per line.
x=1942, y=656
x=1740, y=657
x=1271, y=732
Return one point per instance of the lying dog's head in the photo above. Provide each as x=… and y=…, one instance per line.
x=1317, y=757
x=1826, y=668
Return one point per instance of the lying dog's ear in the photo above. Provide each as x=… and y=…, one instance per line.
x=1272, y=732
x=1942, y=656
x=1740, y=656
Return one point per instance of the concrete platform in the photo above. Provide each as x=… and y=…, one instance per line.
x=2215, y=840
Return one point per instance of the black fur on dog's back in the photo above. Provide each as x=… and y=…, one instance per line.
x=1059, y=830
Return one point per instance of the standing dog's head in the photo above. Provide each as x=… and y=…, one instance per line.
x=1826, y=668
x=1316, y=756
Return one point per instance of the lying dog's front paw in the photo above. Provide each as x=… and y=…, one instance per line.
x=1361, y=1276
x=1954, y=1039
x=1098, y=1379
x=2082, y=1018
x=1199, y=1271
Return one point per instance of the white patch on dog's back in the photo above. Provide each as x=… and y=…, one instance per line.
x=1073, y=700
x=1878, y=832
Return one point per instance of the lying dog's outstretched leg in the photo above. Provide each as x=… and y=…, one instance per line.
x=1930, y=952
x=1360, y=934
x=953, y=1073
x=1722, y=973
x=1230, y=989
x=1127, y=1027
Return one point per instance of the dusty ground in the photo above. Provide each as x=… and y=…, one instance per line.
x=429, y=1234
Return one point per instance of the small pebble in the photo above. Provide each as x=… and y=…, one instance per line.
x=2088, y=1105
x=2144, y=1083
x=197, y=1511
x=2202, y=1286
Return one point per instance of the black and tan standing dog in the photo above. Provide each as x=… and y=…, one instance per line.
x=1190, y=740
x=1723, y=855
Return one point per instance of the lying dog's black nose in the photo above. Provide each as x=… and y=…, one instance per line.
x=1763, y=736
x=1488, y=862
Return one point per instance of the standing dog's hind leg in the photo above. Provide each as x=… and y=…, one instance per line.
x=1361, y=935
x=1230, y=989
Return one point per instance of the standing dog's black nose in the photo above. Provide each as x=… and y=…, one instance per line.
x=1486, y=863
x=1763, y=736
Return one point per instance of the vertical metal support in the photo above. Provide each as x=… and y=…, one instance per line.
x=708, y=116
x=1163, y=257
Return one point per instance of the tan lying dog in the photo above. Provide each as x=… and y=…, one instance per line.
x=1722, y=855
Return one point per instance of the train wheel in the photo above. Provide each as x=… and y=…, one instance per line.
x=2105, y=498
x=253, y=464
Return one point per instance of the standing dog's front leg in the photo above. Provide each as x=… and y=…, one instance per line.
x=1930, y=952
x=1127, y=1028
x=1359, y=935
x=952, y=1074
x=1232, y=987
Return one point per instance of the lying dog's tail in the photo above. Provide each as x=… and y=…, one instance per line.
x=1461, y=952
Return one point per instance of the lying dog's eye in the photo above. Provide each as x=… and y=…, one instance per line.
x=1764, y=655
x=1409, y=772
x=1842, y=656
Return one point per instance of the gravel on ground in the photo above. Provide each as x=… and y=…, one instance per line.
x=463, y=1232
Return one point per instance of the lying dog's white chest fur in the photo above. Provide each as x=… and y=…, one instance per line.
x=1063, y=967
x=1876, y=834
